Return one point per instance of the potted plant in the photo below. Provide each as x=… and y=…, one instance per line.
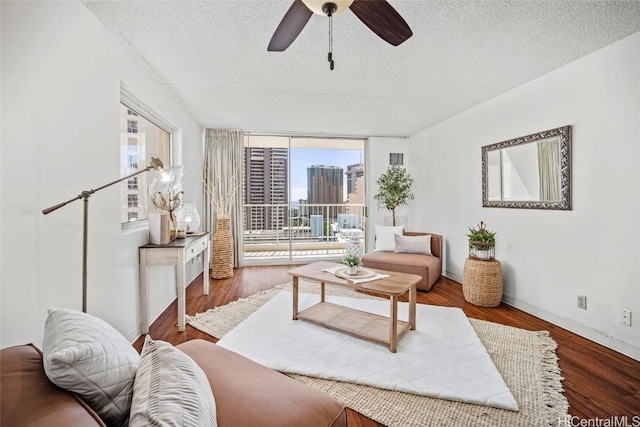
x=353, y=261
x=481, y=242
x=395, y=189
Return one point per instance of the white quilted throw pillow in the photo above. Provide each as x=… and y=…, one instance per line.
x=89, y=357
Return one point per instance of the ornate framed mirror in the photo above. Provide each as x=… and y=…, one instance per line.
x=529, y=172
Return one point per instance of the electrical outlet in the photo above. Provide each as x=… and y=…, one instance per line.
x=582, y=302
x=625, y=316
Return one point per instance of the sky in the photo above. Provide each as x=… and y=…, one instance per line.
x=301, y=158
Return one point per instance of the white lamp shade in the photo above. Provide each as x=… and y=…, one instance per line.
x=316, y=5
x=187, y=217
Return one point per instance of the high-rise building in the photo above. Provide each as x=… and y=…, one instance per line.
x=266, y=183
x=355, y=195
x=325, y=186
x=140, y=140
x=353, y=173
x=131, y=147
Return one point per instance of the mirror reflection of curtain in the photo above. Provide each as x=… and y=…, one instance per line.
x=549, y=169
x=224, y=157
x=494, y=175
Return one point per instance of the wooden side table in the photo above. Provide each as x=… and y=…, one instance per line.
x=178, y=253
x=482, y=282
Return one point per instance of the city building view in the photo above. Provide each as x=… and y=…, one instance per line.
x=140, y=139
x=296, y=206
x=324, y=187
x=266, y=189
x=297, y=201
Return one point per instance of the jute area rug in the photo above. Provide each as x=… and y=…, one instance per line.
x=526, y=360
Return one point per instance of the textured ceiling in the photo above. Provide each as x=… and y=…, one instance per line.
x=213, y=55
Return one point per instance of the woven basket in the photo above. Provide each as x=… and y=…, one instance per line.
x=482, y=282
x=222, y=265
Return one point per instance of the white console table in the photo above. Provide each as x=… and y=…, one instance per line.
x=177, y=253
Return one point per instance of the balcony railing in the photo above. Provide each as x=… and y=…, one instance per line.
x=306, y=230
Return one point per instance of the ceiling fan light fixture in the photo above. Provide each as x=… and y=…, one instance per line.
x=378, y=15
x=317, y=6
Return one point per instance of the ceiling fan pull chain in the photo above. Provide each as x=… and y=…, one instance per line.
x=329, y=12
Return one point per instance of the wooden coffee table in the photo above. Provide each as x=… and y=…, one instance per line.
x=384, y=330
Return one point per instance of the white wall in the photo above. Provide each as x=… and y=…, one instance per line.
x=61, y=76
x=377, y=163
x=551, y=256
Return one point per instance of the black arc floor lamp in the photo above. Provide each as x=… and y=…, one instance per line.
x=155, y=164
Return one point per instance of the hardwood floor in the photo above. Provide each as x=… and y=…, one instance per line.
x=598, y=382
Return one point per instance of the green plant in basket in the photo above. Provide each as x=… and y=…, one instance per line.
x=352, y=260
x=480, y=237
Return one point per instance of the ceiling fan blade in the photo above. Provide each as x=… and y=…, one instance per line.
x=383, y=20
x=291, y=25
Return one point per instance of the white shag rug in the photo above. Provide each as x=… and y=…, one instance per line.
x=442, y=358
x=526, y=360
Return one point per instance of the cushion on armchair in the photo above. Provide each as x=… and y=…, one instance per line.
x=385, y=237
x=412, y=252
x=413, y=244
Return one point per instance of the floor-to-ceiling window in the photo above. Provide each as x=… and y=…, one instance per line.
x=304, y=197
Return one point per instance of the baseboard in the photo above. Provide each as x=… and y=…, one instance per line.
x=591, y=334
x=133, y=335
x=452, y=276
x=594, y=335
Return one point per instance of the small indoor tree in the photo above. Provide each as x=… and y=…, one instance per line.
x=395, y=189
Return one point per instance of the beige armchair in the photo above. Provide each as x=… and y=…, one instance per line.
x=429, y=267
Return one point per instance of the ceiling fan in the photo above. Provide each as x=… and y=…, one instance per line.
x=378, y=15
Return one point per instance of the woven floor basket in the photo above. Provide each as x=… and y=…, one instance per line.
x=222, y=266
x=482, y=282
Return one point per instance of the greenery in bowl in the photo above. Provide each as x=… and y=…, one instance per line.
x=352, y=260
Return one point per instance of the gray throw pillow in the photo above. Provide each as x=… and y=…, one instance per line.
x=413, y=244
x=170, y=390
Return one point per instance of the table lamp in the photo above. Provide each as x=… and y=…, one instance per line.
x=188, y=217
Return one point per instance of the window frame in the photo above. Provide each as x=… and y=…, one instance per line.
x=142, y=110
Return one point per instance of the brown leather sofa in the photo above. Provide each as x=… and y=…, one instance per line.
x=246, y=393
x=429, y=267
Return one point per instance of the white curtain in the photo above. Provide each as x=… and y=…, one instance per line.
x=549, y=169
x=224, y=158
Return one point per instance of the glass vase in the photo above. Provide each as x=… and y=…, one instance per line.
x=173, y=226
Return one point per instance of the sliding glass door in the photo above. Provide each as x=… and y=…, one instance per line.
x=304, y=197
